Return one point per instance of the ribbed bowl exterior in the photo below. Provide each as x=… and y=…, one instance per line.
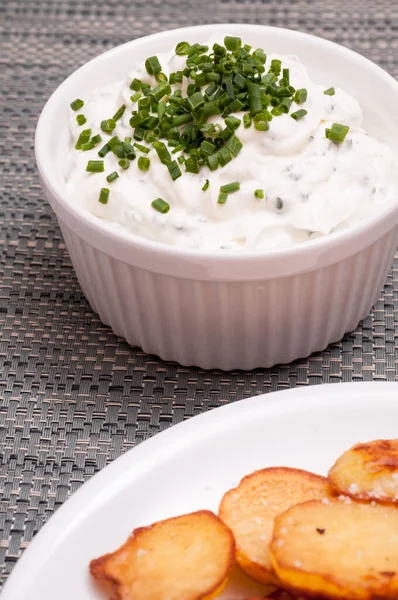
x=232, y=325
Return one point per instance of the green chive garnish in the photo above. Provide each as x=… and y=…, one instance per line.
x=81, y=119
x=104, y=151
x=142, y=148
x=182, y=48
x=299, y=114
x=96, y=139
x=152, y=65
x=135, y=85
x=337, y=133
x=124, y=163
x=206, y=185
x=174, y=170
x=161, y=205
x=259, y=194
x=119, y=113
x=232, y=122
x=108, y=125
x=230, y=187
x=174, y=119
x=247, y=121
x=104, y=195
x=232, y=43
x=143, y=163
x=87, y=146
x=162, y=152
x=330, y=92
x=83, y=138
x=76, y=104
x=222, y=198
x=112, y=176
x=300, y=96
x=95, y=166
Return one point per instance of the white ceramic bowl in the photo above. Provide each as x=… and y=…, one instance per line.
x=226, y=310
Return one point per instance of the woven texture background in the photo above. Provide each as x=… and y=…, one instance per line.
x=73, y=397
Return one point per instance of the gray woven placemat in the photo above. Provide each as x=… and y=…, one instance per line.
x=72, y=395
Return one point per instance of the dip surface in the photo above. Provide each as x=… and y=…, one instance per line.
x=312, y=186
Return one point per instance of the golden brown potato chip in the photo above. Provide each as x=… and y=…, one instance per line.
x=183, y=558
x=368, y=471
x=338, y=549
x=284, y=595
x=250, y=510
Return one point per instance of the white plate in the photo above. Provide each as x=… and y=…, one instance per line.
x=189, y=467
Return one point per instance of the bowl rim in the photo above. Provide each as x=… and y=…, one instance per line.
x=354, y=236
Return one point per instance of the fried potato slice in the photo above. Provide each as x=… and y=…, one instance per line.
x=368, y=471
x=339, y=549
x=250, y=509
x=284, y=595
x=183, y=558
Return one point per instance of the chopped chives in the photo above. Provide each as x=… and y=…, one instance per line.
x=276, y=66
x=286, y=75
x=232, y=43
x=161, y=90
x=195, y=101
x=247, y=121
x=104, y=151
x=222, y=198
x=337, y=133
x=191, y=166
x=104, y=195
x=95, y=166
x=124, y=163
x=96, y=139
x=330, y=91
x=181, y=158
x=135, y=97
x=182, y=119
x=119, y=113
x=83, y=138
x=87, y=146
x=113, y=141
x=160, y=205
x=230, y=187
x=152, y=65
x=300, y=96
x=76, y=104
x=285, y=105
x=142, y=148
x=143, y=163
x=108, y=125
x=259, y=194
x=255, y=101
x=112, y=176
x=145, y=88
x=135, y=85
x=81, y=119
x=234, y=145
x=162, y=152
x=174, y=170
x=232, y=122
x=182, y=48
x=299, y=114
x=207, y=147
x=206, y=185
x=160, y=77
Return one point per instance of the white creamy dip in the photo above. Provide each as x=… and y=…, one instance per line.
x=312, y=187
